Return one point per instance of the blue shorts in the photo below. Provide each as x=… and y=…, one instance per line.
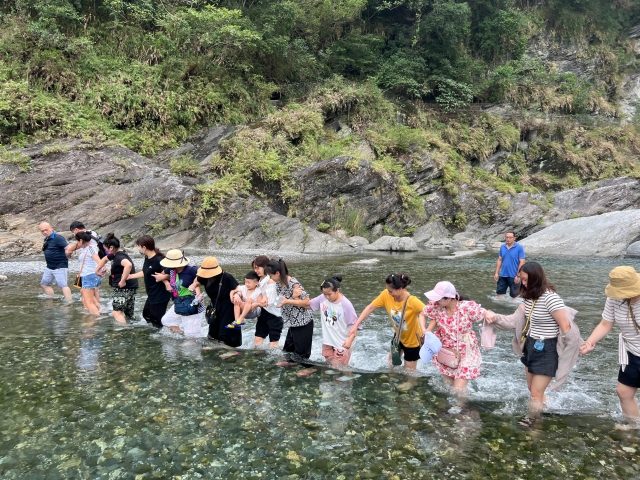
x=59, y=275
x=91, y=281
x=503, y=283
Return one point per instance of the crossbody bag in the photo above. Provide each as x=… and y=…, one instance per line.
x=396, y=358
x=78, y=282
x=450, y=357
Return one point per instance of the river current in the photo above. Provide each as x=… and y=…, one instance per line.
x=87, y=398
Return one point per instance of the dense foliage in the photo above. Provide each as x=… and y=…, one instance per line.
x=147, y=73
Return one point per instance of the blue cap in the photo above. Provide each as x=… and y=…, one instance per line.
x=432, y=345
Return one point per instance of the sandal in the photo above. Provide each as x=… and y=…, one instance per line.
x=526, y=422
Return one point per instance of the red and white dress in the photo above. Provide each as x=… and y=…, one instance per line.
x=460, y=324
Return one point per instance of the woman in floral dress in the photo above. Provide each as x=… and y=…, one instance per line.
x=454, y=318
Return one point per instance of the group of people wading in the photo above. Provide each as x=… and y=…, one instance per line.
x=546, y=337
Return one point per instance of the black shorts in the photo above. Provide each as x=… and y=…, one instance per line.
x=631, y=375
x=268, y=325
x=544, y=362
x=153, y=312
x=411, y=354
x=503, y=283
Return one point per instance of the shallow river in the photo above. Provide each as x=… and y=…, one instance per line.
x=86, y=398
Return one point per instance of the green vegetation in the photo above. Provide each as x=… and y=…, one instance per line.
x=185, y=165
x=11, y=157
x=401, y=74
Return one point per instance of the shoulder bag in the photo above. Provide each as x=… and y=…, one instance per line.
x=210, y=313
x=78, y=282
x=450, y=357
x=396, y=358
x=527, y=327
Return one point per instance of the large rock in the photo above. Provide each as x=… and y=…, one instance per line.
x=432, y=234
x=393, y=244
x=606, y=235
x=107, y=188
x=258, y=227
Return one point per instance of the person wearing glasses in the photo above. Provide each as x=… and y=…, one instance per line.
x=510, y=259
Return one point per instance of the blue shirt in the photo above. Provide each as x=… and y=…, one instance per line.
x=54, y=253
x=511, y=259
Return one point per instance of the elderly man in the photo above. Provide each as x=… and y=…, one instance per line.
x=510, y=259
x=57, y=268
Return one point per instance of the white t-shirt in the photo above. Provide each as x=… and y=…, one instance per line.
x=336, y=318
x=271, y=293
x=617, y=311
x=254, y=295
x=90, y=264
x=542, y=323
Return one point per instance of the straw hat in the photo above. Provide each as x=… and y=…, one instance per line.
x=209, y=268
x=624, y=282
x=174, y=259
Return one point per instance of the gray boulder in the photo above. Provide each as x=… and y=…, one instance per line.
x=393, y=244
x=432, y=233
x=606, y=235
x=633, y=250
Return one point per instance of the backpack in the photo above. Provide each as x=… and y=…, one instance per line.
x=99, y=240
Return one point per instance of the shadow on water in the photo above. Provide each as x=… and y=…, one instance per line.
x=87, y=398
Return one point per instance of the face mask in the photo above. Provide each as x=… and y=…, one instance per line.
x=110, y=256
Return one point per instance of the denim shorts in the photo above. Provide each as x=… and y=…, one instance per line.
x=503, y=283
x=91, y=281
x=59, y=275
x=544, y=362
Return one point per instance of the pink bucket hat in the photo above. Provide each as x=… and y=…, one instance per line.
x=441, y=290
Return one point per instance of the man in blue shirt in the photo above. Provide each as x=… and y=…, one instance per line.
x=57, y=263
x=510, y=259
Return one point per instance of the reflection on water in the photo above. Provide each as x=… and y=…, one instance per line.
x=82, y=397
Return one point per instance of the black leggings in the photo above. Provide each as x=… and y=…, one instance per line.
x=153, y=312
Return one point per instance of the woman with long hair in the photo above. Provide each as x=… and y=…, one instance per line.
x=269, y=323
x=123, y=285
x=623, y=309
x=158, y=295
x=545, y=320
x=396, y=300
x=294, y=303
x=89, y=258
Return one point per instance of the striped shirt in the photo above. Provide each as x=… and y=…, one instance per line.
x=542, y=323
x=617, y=311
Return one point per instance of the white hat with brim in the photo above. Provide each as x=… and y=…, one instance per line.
x=624, y=282
x=174, y=259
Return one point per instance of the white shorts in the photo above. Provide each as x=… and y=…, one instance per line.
x=191, y=324
x=59, y=275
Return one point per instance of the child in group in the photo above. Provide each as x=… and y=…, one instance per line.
x=246, y=300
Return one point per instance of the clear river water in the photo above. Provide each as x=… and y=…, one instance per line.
x=87, y=398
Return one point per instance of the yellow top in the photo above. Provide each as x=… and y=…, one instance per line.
x=411, y=326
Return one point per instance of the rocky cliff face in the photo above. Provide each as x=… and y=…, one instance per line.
x=114, y=189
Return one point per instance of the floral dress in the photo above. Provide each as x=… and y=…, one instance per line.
x=460, y=324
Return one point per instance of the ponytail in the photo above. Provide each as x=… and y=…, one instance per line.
x=277, y=266
x=149, y=243
x=333, y=283
x=398, y=280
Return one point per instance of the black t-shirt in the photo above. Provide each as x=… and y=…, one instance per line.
x=117, y=269
x=225, y=306
x=156, y=291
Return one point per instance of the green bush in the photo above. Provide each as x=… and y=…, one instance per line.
x=185, y=165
